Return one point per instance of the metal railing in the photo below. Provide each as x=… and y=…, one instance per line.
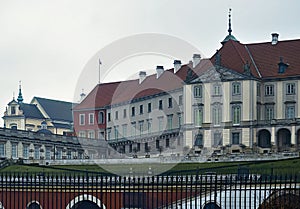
x=98, y=190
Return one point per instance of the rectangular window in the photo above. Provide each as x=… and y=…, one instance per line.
x=198, y=117
x=13, y=110
x=81, y=119
x=160, y=124
x=117, y=115
x=235, y=138
x=108, y=117
x=116, y=132
x=146, y=147
x=48, y=153
x=157, y=145
x=69, y=154
x=25, y=151
x=37, y=152
x=167, y=142
x=133, y=129
x=198, y=91
x=141, y=109
x=149, y=107
x=236, y=115
x=290, y=88
x=170, y=122
x=58, y=154
x=149, y=126
x=290, y=112
x=160, y=104
x=170, y=102
x=14, y=153
x=82, y=134
x=269, y=112
x=124, y=113
x=132, y=111
x=179, y=119
x=217, y=90
x=124, y=130
x=236, y=88
x=101, y=117
x=91, y=118
x=217, y=139
x=138, y=147
x=2, y=150
x=217, y=115
x=141, y=127
x=91, y=134
x=180, y=100
x=269, y=90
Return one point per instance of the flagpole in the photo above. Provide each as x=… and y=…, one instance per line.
x=99, y=70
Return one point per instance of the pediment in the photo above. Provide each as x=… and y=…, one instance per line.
x=218, y=75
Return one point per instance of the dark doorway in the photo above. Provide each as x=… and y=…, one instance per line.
x=264, y=139
x=33, y=205
x=86, y=204
x=283, y=140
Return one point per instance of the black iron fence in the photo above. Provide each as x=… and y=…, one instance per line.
x=98, y=191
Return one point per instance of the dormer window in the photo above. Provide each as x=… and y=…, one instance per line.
x=282, y=66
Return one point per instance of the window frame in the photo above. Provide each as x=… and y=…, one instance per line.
x=81, y=119
x=198, y=91
x=236, y=88
x=91, y=118
x=236, y=119
x=290, y=88
x=269, y=90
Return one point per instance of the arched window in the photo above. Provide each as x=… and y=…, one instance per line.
x=211, y=205
x=14, y=126
x=100, y=117
x=33, y=205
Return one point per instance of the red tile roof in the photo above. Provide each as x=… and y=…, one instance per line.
x=262, y=57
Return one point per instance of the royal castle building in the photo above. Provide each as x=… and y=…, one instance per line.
x=242, y=99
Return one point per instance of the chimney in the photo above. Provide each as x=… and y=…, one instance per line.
x=177, y=65
x=196, y=60
x=82, y=96
x=159, y=71
x=274, y=38
x=142, y=76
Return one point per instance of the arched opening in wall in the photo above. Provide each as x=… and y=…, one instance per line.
x=33, y=205
x=211, y=205
x=264, y=139
x=86, y=204
x=85, y=201
x=14, y=126
x=283, y=140
x=198, y=143
x=298, y=139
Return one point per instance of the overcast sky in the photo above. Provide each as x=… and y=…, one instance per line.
x=47, y=44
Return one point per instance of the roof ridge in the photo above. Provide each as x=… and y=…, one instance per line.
x=56, y=100
x=268, y=42
x=252, y=60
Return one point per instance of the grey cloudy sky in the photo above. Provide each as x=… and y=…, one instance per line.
x=46, y=44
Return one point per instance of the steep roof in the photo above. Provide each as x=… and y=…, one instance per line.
x=31, y=111
x=55, y=109
x=262, y=57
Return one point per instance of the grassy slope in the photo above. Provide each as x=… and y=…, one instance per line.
x=283, y=167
